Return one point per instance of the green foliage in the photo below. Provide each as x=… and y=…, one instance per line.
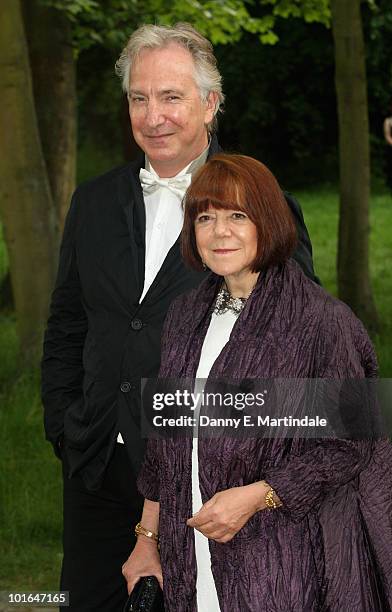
x=110, y=22
x=222, y=21
x=309, y=10
x=377, y=24
x=281, y=104
x=73, y=8
x=378, y=30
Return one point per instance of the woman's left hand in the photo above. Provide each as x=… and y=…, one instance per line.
x=227, y=512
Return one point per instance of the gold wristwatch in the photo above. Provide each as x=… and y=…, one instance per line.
x=140, y=530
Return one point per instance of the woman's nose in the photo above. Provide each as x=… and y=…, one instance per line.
x=222, y=227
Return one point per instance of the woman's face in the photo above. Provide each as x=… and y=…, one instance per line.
x=226, y=240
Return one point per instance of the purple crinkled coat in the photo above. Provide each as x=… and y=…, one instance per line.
x=329, y=548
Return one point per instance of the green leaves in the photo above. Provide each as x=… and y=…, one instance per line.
x=73, y=8
x=309, y=10
x=110, y=22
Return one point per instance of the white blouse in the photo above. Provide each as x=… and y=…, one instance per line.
x=216, y=338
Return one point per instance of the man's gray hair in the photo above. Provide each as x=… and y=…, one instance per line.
x=149, y=36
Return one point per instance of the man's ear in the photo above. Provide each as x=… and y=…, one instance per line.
x=211, y=103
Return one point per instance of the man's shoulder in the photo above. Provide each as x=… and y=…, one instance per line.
x=108, y=180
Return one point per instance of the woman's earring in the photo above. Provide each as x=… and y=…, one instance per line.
x=204, y=266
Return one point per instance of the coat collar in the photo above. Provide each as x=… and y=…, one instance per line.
x=259, y=309
x=215, y=147
x=262, y=312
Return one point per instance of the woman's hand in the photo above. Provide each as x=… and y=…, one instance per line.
x=143, y=561
x=227, y=511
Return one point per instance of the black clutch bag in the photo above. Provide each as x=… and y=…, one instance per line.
x=146, y=596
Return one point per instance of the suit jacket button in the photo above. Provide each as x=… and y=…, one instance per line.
x=125, y=387
x=136, y=324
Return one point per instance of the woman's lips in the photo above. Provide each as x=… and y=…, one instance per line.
x=224, y=251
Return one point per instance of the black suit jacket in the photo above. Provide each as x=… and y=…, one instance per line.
x=99, y=340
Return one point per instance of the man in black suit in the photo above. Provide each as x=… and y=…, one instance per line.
x=120, y=268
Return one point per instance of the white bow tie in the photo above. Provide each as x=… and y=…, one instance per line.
x=177, y=184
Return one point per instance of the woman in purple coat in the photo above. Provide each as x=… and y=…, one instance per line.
x=263, y=523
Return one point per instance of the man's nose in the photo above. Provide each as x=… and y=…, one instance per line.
x=154, y=115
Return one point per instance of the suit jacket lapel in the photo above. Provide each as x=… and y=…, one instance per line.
x=131, y=195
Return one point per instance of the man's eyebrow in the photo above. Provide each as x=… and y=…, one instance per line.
x=161, y=92
x=136, y=92
x=171, y=90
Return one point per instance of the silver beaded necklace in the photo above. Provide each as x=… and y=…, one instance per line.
x=225, y=301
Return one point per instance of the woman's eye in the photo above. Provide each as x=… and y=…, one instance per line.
x=238, y=215
x=203, y=218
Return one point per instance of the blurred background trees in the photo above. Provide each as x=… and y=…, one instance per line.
x=26, y=203
x=63, y=115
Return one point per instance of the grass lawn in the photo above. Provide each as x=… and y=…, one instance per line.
x=30, y=489
x=30, y=480
x=30, y=476
x=320, y=209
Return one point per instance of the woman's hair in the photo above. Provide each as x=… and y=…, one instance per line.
x=207, y=76
x=242, y=183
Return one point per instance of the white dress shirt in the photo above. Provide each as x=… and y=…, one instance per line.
x=164, y=221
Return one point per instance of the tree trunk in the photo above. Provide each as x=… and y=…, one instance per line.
x=25, y=201
x=49, y=37
x=6, y=295
x=351, y=88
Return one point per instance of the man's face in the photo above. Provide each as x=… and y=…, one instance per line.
x=167, y=114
